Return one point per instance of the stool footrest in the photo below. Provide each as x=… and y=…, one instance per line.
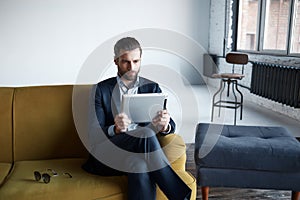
x=227, y=104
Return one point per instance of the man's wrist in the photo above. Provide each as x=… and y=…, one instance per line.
x=116, y=130
x=167, y=130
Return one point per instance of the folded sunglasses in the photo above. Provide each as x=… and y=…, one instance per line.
x=46, y=177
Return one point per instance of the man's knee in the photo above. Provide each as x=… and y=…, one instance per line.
x=142, y=132
x=136, y=164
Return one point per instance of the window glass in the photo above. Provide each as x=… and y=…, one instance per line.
x=247, y=25
x=276, y=25
x=295, y=45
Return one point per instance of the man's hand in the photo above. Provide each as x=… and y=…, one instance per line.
x=122, y=122
x=161, y=121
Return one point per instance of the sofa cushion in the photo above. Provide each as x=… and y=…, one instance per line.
x=174, y=149
x=247, y=147
x=43, y=124
x=6, y=97
x=82, y=185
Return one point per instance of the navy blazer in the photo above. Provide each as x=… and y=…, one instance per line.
x=107, y=100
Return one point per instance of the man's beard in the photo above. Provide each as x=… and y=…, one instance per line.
x=129, y=75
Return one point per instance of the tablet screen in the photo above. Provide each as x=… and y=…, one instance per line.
x=142, y=107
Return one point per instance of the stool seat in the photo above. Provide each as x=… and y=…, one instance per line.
x=229, y=76
x=251, y=148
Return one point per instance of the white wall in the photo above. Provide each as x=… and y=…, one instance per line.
x=46, y=42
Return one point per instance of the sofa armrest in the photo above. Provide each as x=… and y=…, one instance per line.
x=175, y=150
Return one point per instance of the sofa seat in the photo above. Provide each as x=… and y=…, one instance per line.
x=82, y=185
x=22, y=185
x=4, y=171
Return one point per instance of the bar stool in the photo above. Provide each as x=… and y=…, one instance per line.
x=231, y=79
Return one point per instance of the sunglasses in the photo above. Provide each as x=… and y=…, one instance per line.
x=46, y=176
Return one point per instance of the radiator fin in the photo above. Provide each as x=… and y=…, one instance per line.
x=276, y=82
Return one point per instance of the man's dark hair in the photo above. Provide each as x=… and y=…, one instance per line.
x=126, y=44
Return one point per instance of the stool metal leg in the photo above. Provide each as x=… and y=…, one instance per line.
x=235, y=100
x=221, y=93
x=228, y=103
x=242, y=101
x=228, y=87
x=213, y=100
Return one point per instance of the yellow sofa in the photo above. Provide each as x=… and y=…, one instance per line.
x=37, y=132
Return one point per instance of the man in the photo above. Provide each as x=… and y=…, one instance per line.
x=146, y=171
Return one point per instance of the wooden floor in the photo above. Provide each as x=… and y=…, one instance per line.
x=234, y=193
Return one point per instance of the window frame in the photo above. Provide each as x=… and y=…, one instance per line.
x=261, y=16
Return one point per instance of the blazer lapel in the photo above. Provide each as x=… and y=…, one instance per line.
x=115, y=98
x=116, y=103
x=144, y=87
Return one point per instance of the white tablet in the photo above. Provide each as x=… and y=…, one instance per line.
x=143, y=107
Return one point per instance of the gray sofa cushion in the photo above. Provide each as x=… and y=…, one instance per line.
x=246, y=147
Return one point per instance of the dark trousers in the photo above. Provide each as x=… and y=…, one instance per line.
x=143, y=160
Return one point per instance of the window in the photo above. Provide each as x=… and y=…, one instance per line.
x=247, y=25
x=268, y=26
x=295, y=39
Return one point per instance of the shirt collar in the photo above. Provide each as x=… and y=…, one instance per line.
x=121, y=83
